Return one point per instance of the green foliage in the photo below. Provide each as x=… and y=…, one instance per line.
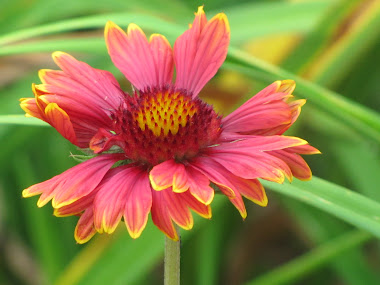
x=311, y=232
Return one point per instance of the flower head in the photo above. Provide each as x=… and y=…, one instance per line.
x=159, y=149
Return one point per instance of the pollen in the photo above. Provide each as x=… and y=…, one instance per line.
x=159, y=125
x=165, y=112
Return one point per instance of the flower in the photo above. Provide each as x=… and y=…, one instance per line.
x=160, y=149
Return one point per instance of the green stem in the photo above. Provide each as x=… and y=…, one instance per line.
x=172, y=261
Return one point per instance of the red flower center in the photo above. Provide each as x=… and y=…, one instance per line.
x=165, y=124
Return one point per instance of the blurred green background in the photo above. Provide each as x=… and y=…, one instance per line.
x=320, y=232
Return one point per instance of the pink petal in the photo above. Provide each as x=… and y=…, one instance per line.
x=161, y=216
x=249, y=158
x=254, y=165
x=200, y=51
x=199, y=186
x=30, y=107
x=112, y=195
x=304, y=149
x=76, y=207
x=138, y=205
x=238, y=202
x=216, y=173
x=250, y=143
x=250, y=189
x=86, y=94
x=266, y=113
x=59, y=119
x=258, y=113
x=85, y=230
x=178, y=209
x=194, y=204
x=300, y=169
x=163, y=174
x=146, y=65
x=74, y=183
x=98, y=87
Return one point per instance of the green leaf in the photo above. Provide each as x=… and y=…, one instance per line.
x=21, y=120
x=92, y=22
x=267, y=18
x=297, y=268
x=345, y=204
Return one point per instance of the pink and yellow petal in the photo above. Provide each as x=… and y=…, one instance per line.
x=199, y=186
x=97, y=86
x=59, y=119
x=30, y=108
x=141, y=63
x=251, y=189
x=178, y=209
x=72, y=184
x=85, y=230
x=300, y=169
x=163, y=175
x=201, y=209
x=238, y=202
x=286, y=86
x=200, y=51
x=162, y=55
x=161, y=216
x=138, y=206
x=110, y=200
x=76, y=207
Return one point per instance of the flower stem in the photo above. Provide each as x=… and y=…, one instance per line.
x=172, y=261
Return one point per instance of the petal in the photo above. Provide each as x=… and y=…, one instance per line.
x=254, y=165
x=199, y=186
x=87, y=95
x=250, y=189
x=145, y=65
x=249, y=158
x=74, y=183
x=238, y=202
x=200, y=51
x=266, y=113
x=85, y=230
x=163, y=59
x=216, y=173
x=257, y=114
x=138, y=205
x=104, y=140
x=98, y=87
x=112, y=195
x=194, y=204
x=251, y=143
x=76, y=207
x=304, y=149
x=161, y=216
x=178, y=209
x=300, y=169
x=162, y=175
x=30, y=107
x=59, y=119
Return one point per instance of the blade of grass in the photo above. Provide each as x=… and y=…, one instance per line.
x=92, y=22
x=296, y=269
x=338, y=201
x=267, y=18
x=317, y=39
x=21, y=120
